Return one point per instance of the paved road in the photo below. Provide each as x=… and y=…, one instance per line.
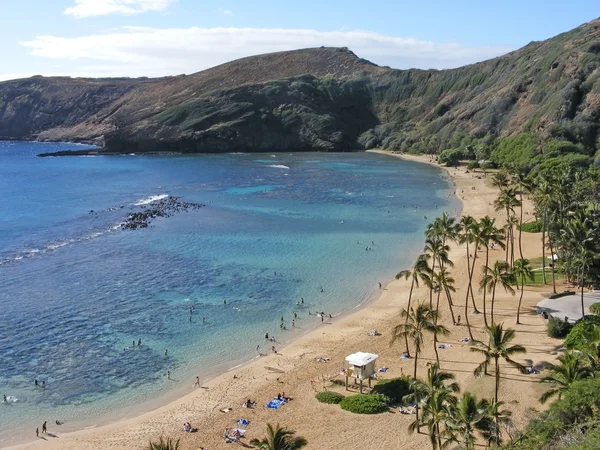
x=569, y=306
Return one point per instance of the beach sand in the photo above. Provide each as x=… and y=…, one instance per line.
x=293, y=370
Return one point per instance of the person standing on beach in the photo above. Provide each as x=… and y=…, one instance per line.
x=168, y=374
x=37, y=432
x=380, y=285
x=258, y=349
x=197, y=382
x=44, y=429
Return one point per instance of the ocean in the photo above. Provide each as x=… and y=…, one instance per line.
x=77, y=292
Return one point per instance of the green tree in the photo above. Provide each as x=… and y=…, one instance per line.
x=522, y=270
x=435, y=397
x=498, y=347
x=570, y=369
x=469, y=418
x=279, y=439
x=164, y=444
x=488, y=234
x=498, y=275
x=419, y=271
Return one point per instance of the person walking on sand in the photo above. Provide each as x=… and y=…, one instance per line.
x=37, y=432
x=44, y=429
x=380, y=285
x=197, y=382
x=258, y=349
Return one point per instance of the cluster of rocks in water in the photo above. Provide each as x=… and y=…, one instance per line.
x=165, y=207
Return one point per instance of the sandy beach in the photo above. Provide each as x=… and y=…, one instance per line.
x=296, y=371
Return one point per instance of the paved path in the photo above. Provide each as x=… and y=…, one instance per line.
x=569, y=306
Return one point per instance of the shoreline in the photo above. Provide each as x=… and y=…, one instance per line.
x=148, y=407
x=295, y=365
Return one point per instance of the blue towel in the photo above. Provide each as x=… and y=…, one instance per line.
x=274, y=404
x=243, y=422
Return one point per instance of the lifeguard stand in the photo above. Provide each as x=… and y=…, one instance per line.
x=361, y=367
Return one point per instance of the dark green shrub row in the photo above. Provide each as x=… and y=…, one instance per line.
x=332, y=398
x=394, y=388
x=558, y=328
x=365, y=403
x=595, y=308
x=577, y=336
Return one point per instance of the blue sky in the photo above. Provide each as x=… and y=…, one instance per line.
x=169, y=37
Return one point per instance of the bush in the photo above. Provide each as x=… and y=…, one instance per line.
x=473, y=165
x=532, y=227
x=332, y=398
x=558, y=328
x=365, y=403
x=450, y=157
x=577, y=336
x=595, y=308
x=394, y=388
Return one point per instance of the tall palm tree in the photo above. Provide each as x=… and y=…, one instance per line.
x=489, y=234
x=522, y=270
x=522, y=183
x=420, y=271
x=571, y=368
x=499, y=274
x=444, y=227
x=279, y=439
x=507, y=200
x=497, y=348
x=435, y=397
x=439, y=253
x=470, y=235
x=445, y=282
x=501, y=180
x=416, y=323
x=543, y=197
x=468, y=418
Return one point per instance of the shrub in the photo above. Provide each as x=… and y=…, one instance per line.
x=450, y=157
x=595, y=308
x=532, y=227
x=332, y=398
x=558, y=328
x=167, y=444
x=473, y=165
x=394, y=388
x=577, y=336
x=365, y=403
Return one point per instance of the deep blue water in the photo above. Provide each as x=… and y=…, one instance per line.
x=76, y=291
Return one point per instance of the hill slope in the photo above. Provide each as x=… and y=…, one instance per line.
x=323, y=99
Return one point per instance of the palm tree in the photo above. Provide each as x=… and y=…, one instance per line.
x=444, y=227
x=163, y=444
x=435, y=397
x=279, y=439
x=445, y=282
x=543, y=197
x=417, y=321
x=507, y=200
x=496, y=348
x=468, y=418
x=499, y=416
x=471, y=235
x=500, y=180
x=420, y=270
x=570, y=369
x=520, y=180
x=439, y=253
x=488, y=234
x=522, y=269
x=499, y=274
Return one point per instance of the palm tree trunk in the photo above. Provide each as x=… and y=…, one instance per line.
x=431, y=289
x=544, y=247
x=470, y=288
x=520, y=298
x=497, y=381
x=521, y=225
x=493, y=297
x=582, y=307
x=439, y=436
x=487, y=256
x=415, y=370
x=553, y=262
x=467, y=316
x=507, y=235
x=512, y=246
x=450, y=305
x=412, y=285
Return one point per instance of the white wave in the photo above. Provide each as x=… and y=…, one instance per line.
x=278, y=166
x=151, y=199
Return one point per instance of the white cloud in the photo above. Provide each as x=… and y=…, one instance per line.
x=226, y=12
x=136, y=51
x=89, y=8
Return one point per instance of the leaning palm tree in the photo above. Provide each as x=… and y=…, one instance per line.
x=497, y=347
x=571, y=368
x=468, y=418
x=279, y=439
x=164, y=444
x=499, y=274
x=420, y=271
x=445, y=282
x=435, y=397
x=522, y=270
x=416, y=323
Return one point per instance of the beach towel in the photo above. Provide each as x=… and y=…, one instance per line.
x=403, y=356
x=226, y=410
x=445, y=345
x=239, y=430
x=274, y=404
x=383, y=369
x=243, y=422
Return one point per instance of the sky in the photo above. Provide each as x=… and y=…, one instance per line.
x=101, y=38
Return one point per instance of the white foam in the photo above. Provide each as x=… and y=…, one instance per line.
x=151, y=199
x=278, y=166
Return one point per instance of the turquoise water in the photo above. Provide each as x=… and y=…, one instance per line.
x=76, y=291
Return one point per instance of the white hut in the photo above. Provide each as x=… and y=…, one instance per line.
x=361, y=367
